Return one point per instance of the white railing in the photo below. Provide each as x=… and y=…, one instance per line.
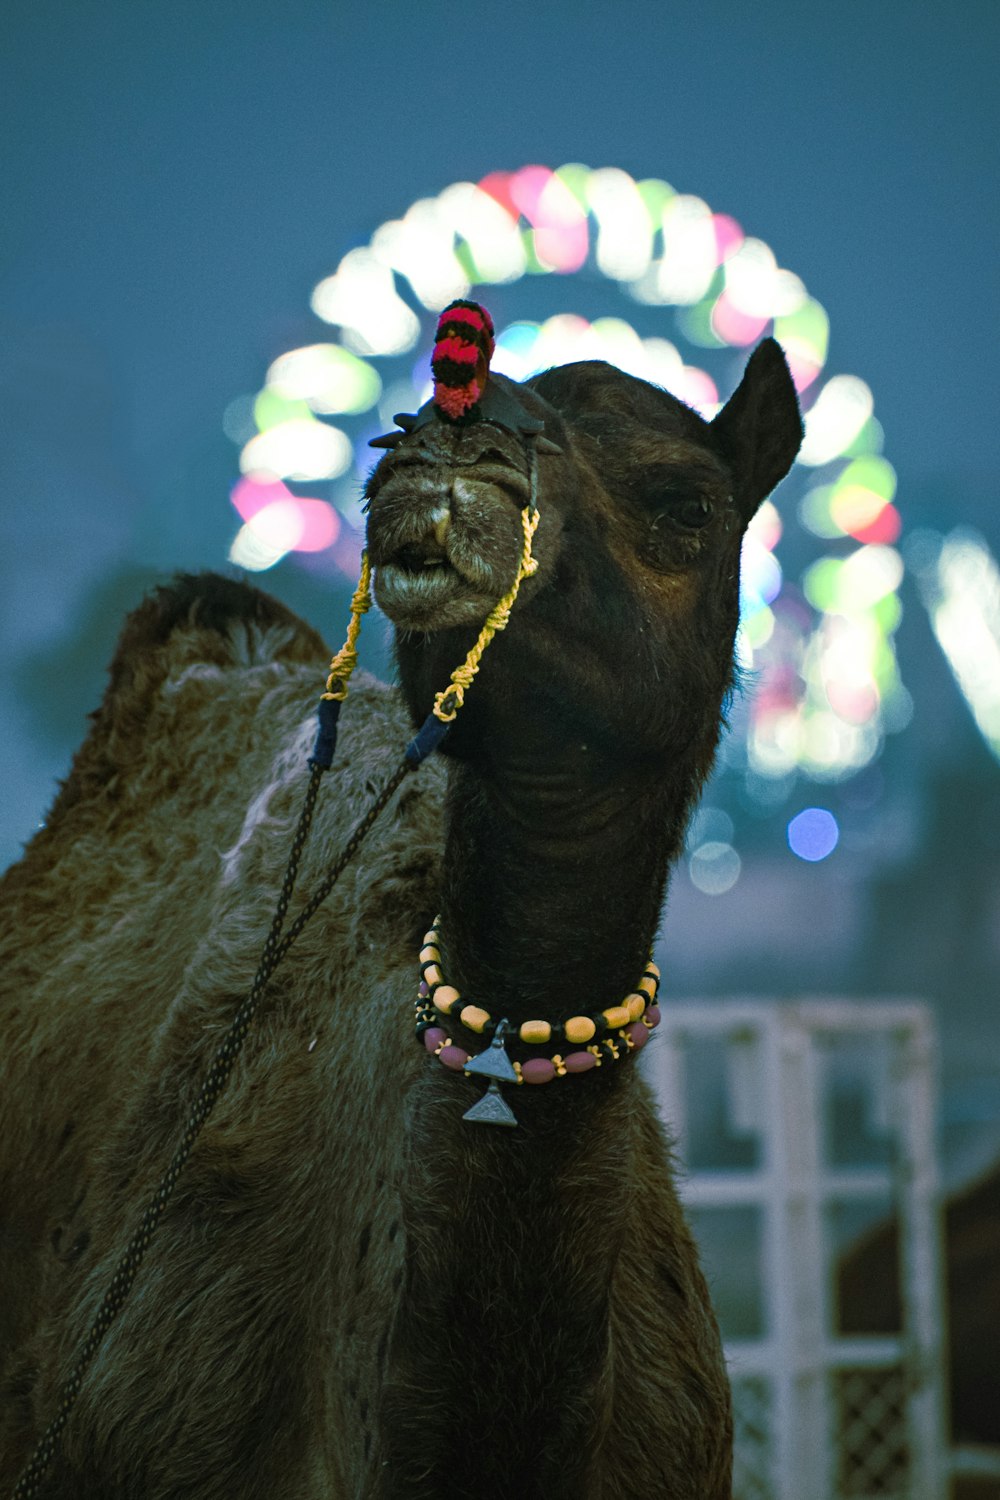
x=802, y=1129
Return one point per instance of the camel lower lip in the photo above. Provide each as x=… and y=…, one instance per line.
x=432, y=599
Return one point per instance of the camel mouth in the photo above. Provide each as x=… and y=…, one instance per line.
x=444, y=543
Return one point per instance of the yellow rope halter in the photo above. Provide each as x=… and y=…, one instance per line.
x=450, y=699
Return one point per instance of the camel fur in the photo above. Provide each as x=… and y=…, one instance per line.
x=353, y=1293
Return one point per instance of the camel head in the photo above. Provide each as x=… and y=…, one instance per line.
x=623, y=637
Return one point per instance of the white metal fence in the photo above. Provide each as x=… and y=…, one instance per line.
x=801, y=1130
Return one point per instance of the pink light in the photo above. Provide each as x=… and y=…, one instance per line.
x=733, y=326
x=696, y=388
x=563, y=248
x=526, y=189
x=884, y=530
x=855, y=702
x=497, y=184
x=728, y=236
x=297, y=523
x=251, y=495
x=561, y=239
x=320, y=525
x=803, y=370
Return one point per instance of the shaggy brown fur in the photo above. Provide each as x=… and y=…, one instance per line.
x=353, y=1293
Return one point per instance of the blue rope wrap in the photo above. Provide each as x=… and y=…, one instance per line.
x=326, y=735
x=426, y=740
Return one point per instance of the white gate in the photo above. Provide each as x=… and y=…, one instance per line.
x=805, y=1131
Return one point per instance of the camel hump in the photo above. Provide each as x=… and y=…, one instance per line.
x=208, y=617
x=198, y=625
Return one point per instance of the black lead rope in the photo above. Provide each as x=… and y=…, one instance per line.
x=424, y=743
x=497, y=406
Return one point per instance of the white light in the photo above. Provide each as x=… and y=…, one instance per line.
x=755, y=285
x=714, y=868
x=299, y=449
x=625, y=234
x=361, y=297
x=492, y=235
x=841, y=409
x=963, y=595
x=254, y=552
x=329, y=378
x=690, y=252
x=421, y=247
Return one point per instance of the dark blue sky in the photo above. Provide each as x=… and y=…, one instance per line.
x=178, y=177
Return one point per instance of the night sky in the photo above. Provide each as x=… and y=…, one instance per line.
x=179, y=177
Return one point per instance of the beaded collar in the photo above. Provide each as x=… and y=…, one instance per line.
x=599, y=1038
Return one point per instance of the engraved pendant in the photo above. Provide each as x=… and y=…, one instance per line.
x=494, y=1064
x=491, y=1109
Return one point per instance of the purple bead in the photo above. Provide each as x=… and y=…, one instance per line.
x=433, y=1037
x=580, y=1062
x=538, y=1070
x=423, y=989
x=638, y=1034
x=653, y=1015
x=454, y=1058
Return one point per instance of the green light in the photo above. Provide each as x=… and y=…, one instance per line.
x=889, y=613
x=655, y=194
x=575, y=177
x=270, y=410
x=869, y=473
x=871, y=439
x=695, y=323
x=821, y=584
x=807, y=329
x=815, y=513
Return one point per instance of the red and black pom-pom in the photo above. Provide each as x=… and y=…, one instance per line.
x=463, y=348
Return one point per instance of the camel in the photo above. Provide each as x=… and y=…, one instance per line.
x=355, y=1291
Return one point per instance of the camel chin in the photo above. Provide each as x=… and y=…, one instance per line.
x=436, y=597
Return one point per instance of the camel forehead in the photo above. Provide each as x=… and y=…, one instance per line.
x=591, y=389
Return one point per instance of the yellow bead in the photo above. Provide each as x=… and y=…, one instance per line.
x=429, y=954
x=535, y=1031
x=579, y=1029
x=636, y=1005
x=431, y=935
x=648, y=985
x=444, y=997
x=432, y=974
x=473, y=1017
x=616, y=1015
x=560, y=1066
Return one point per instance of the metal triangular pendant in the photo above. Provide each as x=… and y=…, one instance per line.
x=493, y=1063
x=491, y=1109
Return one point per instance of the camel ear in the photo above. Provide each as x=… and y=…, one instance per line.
x=759, y=430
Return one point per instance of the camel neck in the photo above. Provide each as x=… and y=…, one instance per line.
x=554, y=876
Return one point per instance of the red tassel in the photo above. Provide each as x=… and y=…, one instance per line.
x=460, y=363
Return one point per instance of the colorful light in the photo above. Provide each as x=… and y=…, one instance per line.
x=826, y=682
x=326, y=378
x=813, y=834
x=714, y=868
x=960, y=582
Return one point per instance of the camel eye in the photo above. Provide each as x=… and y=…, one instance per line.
x=692, y=510
x=674, y=499
x=682, y=508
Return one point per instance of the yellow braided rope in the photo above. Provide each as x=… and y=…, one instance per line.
x=450, y=699
x=346, y=659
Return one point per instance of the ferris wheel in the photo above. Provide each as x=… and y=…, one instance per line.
x=576, y=263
